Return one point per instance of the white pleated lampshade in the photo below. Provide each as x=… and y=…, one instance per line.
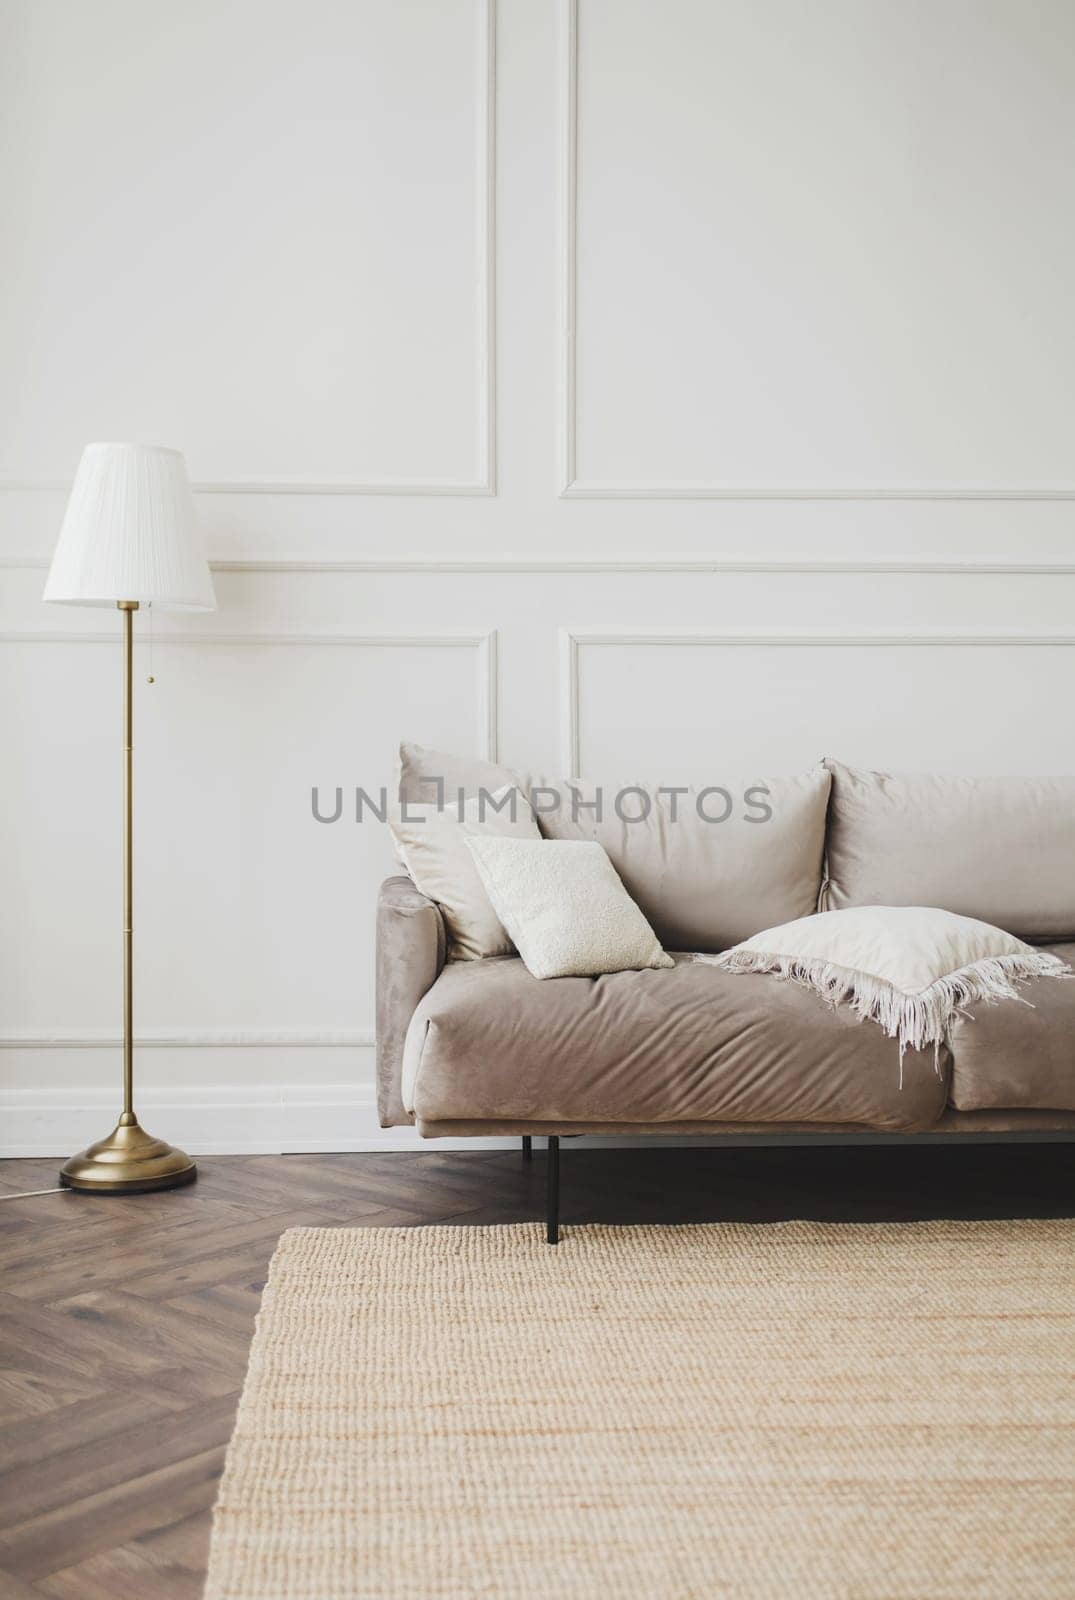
x=129, y=533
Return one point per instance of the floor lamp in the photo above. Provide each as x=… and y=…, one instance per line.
x=129, y=540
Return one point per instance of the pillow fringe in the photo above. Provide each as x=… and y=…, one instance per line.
x=916, y=1019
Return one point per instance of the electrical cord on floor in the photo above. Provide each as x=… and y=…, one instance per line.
x=28, y=1194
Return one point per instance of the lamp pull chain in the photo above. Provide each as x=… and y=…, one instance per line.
x=150, y=678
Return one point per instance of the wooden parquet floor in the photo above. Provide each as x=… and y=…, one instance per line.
x=125, y=1323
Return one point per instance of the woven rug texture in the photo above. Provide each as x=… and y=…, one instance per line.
x=722, y=1412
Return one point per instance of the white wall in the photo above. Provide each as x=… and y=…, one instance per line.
x=682, y=389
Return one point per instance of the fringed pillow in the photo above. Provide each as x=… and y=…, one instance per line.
x=910, y=968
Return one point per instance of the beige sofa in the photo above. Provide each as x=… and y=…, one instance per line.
x=482, y=1047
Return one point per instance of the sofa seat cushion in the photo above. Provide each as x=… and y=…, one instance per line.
x=690, y=1044
x=1012, y=1056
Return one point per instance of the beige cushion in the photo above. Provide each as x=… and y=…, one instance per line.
x=1016, y=1056
x=1000, y=849
x=433, y=849
x=704, y=884
x=564, y=907
x=423, y=772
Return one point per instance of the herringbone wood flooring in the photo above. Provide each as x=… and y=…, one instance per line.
x=125, y=1323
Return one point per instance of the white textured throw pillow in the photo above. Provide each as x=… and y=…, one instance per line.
x=565, y=908
x=910, y=968
x=432, y=847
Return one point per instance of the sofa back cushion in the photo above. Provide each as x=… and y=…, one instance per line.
x=999, y=849
x=434, y=777
x=432, y=844
x=708, y=867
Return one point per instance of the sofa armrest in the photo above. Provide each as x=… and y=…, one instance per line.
x=411, y=948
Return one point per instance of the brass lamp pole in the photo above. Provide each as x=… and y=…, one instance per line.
x=130, y=1160
x=129, y=531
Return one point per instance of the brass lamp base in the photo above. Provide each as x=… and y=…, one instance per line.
x=129, y=1161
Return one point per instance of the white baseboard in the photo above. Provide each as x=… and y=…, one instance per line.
x=304, y=1119
x=238, y=1119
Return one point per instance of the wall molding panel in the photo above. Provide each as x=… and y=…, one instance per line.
x=484, y=482
x=570, y=486
x=245, y=1037
x=484, y=645
x=573, y=641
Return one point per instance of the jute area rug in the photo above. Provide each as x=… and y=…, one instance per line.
x=802, y=1409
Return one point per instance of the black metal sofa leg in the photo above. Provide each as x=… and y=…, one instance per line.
x=552, y=1192
x=528, y=1148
